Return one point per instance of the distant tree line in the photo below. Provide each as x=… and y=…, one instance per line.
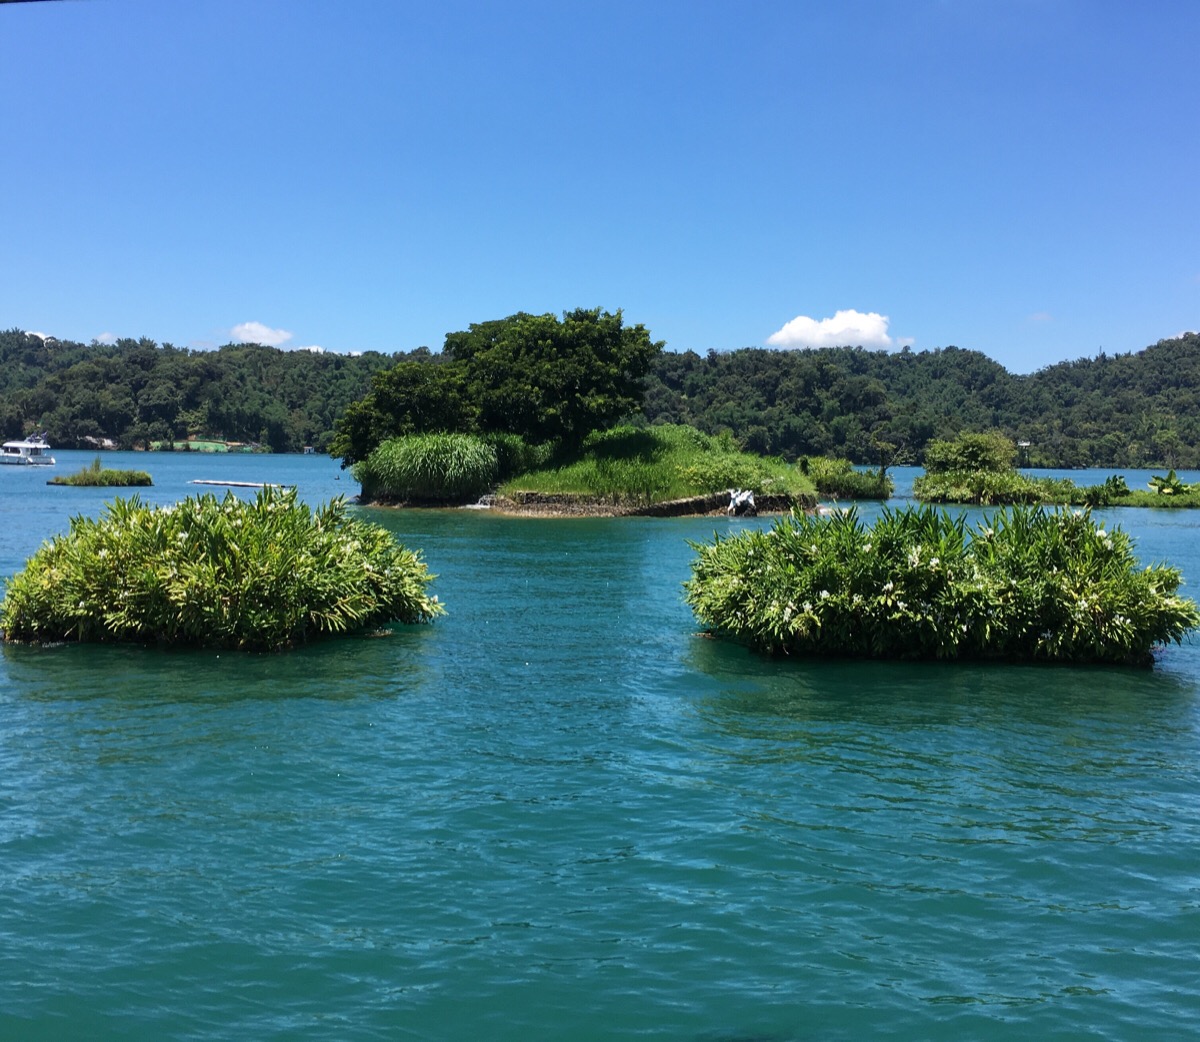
x=550, y=378
x=1126, y=410
x=543, y=379
x=135, y=392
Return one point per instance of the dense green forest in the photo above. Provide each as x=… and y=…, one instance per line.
x=1127, y=410
x=135, y=392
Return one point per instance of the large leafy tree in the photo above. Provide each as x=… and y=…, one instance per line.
x=414, y=397
x=550, y=379
x=539, y=376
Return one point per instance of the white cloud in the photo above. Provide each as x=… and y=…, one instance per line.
x=846, y=329
x=44, y=336
x=106, y=338
x=316, y=349
x=257, y=333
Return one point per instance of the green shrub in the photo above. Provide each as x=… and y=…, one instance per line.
x=429, y=468
x=97, y=476
x=993, y=488
x=970, y=452
x=216, y=573
x=838, y=479
x=1029, y=584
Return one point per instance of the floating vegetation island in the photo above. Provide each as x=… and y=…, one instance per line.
x=223, y=573
x=1023, y=585
x=98, y=476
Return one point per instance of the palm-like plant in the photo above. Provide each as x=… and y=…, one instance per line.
x=224, y=573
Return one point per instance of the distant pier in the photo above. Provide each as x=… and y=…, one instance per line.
x=238, y=484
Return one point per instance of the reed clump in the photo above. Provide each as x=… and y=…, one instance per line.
x=1026, y=584
x=256, y=575
x=433, y=468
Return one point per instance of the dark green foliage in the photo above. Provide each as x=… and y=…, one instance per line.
x=258, y=575
x=97, y=476
x=135, y=392
x=1129, y=410
x=837, y=479
x=429, y=468
x=536, y=376
x=1023, y=585
x=414, y=397
x=552, y=380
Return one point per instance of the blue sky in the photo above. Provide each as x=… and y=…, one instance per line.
x=1015, y=176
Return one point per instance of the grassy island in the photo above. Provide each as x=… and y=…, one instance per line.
x=622, y=470
x=260, y=575
x=1024, y=585
x=629, y=467
x=98, y=476
x=978, y=469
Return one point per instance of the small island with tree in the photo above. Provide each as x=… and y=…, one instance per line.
x=530, y=409
x=96, y=475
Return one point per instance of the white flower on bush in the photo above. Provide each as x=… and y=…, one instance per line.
x=888, y=586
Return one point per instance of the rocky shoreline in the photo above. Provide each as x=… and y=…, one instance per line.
x=543, y=504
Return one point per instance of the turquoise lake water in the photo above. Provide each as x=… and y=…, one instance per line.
x=560, y=813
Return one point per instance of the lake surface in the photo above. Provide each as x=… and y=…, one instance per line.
x=560, y=813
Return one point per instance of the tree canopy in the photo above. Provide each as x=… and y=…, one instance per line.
x=1128, y=410
x=134, y=392
x=550, y=377
x=537, y=376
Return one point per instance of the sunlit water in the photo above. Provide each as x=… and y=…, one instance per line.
x=560, y=813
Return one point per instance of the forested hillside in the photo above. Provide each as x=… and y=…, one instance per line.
x=1114, y=410
x=135, y=392
x=1124, y=410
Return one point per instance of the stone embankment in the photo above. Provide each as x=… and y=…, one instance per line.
x=543, y=504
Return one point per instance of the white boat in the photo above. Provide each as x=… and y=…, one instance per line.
x=32, y=451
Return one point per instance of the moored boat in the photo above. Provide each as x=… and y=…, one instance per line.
x=32, y=451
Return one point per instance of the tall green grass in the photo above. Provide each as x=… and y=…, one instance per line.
x=258, y=575
x=1026, y=584
x=431, y=468
x=629, y=465
x=838, y=479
